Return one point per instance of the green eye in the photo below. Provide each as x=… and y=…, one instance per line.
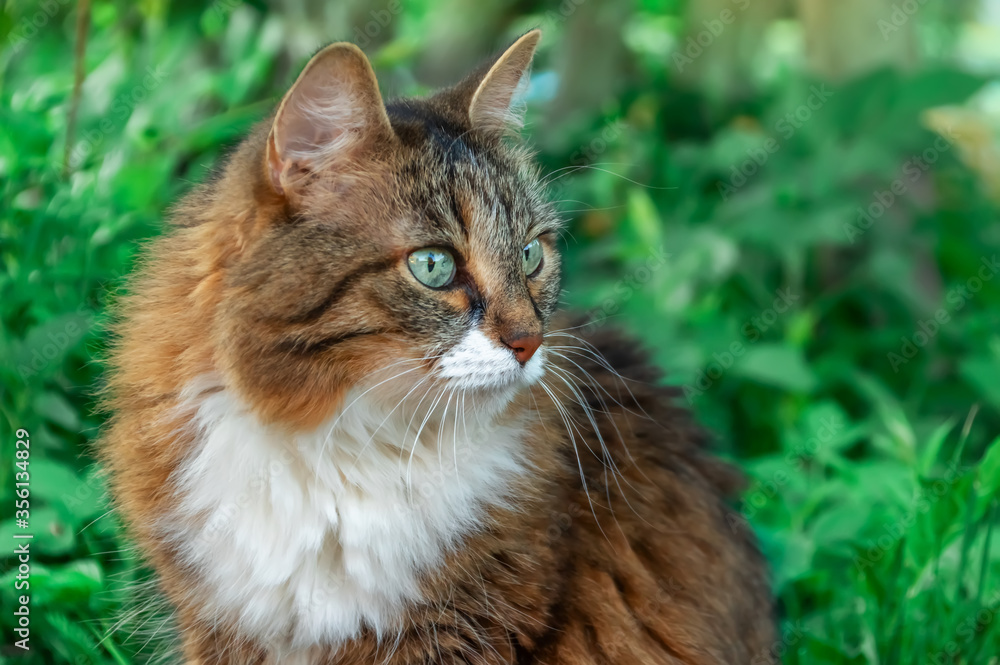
x=531, y=257
x=432, y=266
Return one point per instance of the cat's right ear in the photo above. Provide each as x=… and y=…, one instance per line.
x=333, y=111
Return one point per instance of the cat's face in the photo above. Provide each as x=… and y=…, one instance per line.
x=417, y=247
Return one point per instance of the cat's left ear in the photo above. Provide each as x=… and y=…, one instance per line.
x=491, y=96
x=332, y=113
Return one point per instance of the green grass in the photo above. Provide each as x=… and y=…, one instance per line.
x=875, y=464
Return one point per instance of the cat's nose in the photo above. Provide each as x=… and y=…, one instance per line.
x=523, y=346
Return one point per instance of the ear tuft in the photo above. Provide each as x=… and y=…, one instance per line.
x=331, y=111
x=493, y=106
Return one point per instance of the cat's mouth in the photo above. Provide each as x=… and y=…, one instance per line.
x=477, y=363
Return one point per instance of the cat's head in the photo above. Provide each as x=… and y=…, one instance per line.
x=408, y=240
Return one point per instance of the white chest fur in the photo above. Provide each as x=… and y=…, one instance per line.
x=317, y=535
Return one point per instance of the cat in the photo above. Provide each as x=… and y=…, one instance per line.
x=349, y=427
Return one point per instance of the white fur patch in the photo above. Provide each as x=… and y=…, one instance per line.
x=477, y=362
x=308, y=538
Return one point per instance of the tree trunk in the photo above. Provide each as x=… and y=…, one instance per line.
x=848, y=38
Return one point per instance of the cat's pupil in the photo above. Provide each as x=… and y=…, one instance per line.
x=430, y=263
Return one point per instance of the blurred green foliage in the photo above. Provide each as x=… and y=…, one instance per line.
x=806, y=257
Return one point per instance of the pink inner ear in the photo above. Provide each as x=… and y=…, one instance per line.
x=313, y=130
x=325, y=116
x=318, y=121
x=309, y=138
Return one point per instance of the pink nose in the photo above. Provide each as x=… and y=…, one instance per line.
x=524, y=346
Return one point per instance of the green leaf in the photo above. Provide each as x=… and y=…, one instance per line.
x=46, y=346
x=57, y=409
x=644, y=218
x=777, y=365
x=891, y=413
x=932, y=449
x=839, y=524
x=984, y=374
x=988, y=473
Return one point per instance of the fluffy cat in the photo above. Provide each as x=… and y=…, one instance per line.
x=347, y=430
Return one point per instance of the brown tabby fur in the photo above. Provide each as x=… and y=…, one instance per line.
x=645, y=564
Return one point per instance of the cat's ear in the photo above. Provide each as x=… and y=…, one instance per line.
x=333, y=110
x=491, y=105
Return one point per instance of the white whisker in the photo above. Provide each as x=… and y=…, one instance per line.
x=570, y=426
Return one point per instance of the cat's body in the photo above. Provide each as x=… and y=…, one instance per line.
x=330, y=461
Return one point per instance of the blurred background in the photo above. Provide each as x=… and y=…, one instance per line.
x=793, y=203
